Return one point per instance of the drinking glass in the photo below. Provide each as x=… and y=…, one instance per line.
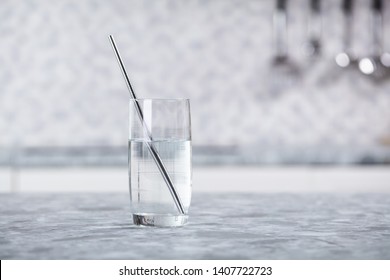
x=165, y=127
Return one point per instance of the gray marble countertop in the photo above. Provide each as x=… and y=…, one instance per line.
x=222, y=226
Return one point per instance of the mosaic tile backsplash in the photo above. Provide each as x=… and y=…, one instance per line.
x=60, y=84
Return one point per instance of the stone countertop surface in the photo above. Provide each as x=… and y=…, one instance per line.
x=222, y=226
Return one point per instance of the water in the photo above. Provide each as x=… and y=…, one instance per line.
x=151, y=201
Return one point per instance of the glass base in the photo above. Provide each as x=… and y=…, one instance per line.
x=159, y=220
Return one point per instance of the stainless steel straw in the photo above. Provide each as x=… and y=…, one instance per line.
x=149, y=143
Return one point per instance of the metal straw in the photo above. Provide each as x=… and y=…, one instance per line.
x=149, y=142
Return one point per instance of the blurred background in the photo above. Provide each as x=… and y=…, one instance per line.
x=284, y=94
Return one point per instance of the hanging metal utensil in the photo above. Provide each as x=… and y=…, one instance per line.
x=373, y=65
x=283, y=70
x=312, y=48
x=347, y=58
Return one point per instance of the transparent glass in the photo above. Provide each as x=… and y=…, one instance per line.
x=164, y=126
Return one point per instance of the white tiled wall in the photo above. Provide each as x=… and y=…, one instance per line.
x=60, y=84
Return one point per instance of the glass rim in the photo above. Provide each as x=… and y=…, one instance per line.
x=160, y=99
